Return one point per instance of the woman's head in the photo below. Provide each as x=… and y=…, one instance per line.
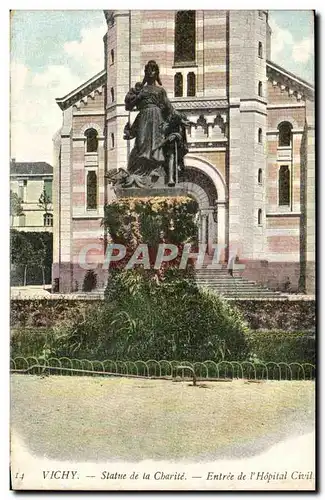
x=151, y=73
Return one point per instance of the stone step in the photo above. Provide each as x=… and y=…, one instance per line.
x=222, y=280
x=241, y=289
x=212, y=272
x=230, y=282
x=250, y=296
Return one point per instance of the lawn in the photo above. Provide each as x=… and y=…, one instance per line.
x=95, y=418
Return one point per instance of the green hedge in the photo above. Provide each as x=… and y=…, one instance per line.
x=262, y=346
x=284, y=315
x=148, y=319
x=279, y=346
x=143, y=318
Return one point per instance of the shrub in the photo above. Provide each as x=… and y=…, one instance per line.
x=144, y=319
x=151, y=221
x=90, y=281
x=31, y=341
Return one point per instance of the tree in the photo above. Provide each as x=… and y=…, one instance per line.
x=44, y=201
x=16, y=208
x=31, y=249
x=21, y=251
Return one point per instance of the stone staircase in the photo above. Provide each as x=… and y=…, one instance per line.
x=221, y=282
x=218, y=280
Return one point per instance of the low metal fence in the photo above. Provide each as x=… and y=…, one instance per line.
x=152, y=369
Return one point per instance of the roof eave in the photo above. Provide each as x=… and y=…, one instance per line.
x=291, y=76
x=61, y=101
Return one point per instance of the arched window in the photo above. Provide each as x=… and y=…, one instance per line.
x=48, y=220
x=91, y=140
x=260, y=89
x=191, y=87
x=178, y=85
x=112, y=94
x=284, y=185
x=112, y=141
x=259, y=217
x=260, y=136
x=91, y=190
x=260, y=176
x=260, y=49
x=285, y=129
x=185, y=36
x=112, y=56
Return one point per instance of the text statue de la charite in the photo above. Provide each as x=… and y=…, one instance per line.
x=159, y=132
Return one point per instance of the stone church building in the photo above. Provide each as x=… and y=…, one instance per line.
x=251, y=160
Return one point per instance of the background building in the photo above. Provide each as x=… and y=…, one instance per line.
x=251, y=161
x=28, y=180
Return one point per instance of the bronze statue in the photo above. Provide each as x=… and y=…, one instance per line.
x=159, y=132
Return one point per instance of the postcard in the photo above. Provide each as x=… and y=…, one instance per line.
x=162, y=211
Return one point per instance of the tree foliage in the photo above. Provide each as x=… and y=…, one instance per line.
x=31, y=250
x=16, y=208
x=154, y=220
x=44, y=201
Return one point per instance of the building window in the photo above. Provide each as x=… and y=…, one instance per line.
x=185, y=36
x=260, y=14
x=285, y=132
x=112, y=56
x=112, y=95
x=22, y=220
x=91, y=140
x=48, y=220
x=48, y=190
x=284, y=185
x=259, y=176
x=91, y=190
x=178, y=85
x=260, y=49
x=191, y=90
x=260, y=136
x=260, y=89
x=259, y=217
x=112, y=141
x=22, y=190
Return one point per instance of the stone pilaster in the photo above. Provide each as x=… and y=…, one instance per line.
x=310, y=200
x=65, y=204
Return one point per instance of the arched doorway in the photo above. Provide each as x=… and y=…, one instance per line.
x=204, y=182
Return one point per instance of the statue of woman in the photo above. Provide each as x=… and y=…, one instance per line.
x=150, y=99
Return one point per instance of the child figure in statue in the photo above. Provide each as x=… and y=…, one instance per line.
x=175, y=145
x=130, y=132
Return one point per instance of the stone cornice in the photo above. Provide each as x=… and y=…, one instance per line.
x=289, y=82
x=82, y=92
x=198, y=103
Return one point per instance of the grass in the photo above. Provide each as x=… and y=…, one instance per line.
x=92, y=418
